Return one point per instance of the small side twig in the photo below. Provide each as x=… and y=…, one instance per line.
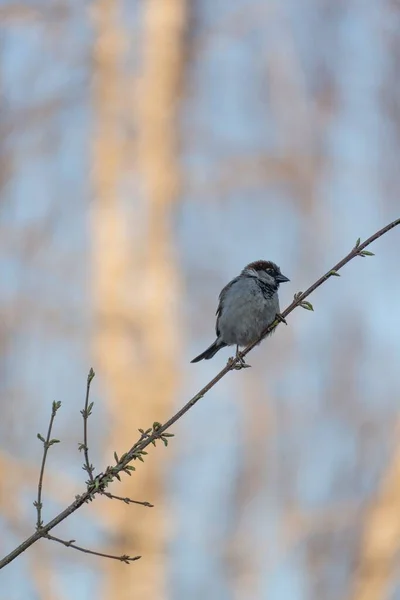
x=86, y=412
x=46, y=445
x=127, y=500
x=70, y=544
x=88, y=467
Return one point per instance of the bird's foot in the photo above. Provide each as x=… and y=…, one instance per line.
x=280, y=318
x=241, y=364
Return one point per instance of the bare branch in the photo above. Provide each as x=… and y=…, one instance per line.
x=86, y=412
x=127, y=500
x=70, y=544
x=159, y=432
x=46, y=445
x=299, y=299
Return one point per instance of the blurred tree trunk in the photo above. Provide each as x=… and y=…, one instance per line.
x=381, y=539
x=136, y=281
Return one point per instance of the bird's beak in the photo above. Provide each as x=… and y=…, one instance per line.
x=282, y=278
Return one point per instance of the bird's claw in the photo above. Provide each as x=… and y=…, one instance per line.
x=280, y=318
x=241, y=364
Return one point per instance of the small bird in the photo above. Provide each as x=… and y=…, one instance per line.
x=247, y=305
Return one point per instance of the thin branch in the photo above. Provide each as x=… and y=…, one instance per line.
x=70, y=544
x=158, y=431
x=299, y=299
x=46, y=445
x=356, y=251
x=86, y=412
x=127, y=500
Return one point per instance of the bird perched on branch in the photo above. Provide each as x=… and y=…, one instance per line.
x=247, y=305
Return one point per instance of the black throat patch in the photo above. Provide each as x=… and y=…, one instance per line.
x=267, y=289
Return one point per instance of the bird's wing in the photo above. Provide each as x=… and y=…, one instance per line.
x=221, y=301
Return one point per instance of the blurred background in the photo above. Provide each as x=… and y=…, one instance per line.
x=148, y=151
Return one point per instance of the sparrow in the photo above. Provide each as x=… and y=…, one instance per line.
x=247, y=305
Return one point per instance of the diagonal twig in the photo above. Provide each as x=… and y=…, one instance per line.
x=356, y=251
x=158, y=431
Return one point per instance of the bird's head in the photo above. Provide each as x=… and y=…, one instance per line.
x=267, y=271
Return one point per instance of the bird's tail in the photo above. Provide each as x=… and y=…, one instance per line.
x=211, y=350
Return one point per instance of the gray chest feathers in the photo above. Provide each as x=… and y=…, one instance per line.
x=246, y=310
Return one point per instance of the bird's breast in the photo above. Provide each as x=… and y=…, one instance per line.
x=245, y=316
